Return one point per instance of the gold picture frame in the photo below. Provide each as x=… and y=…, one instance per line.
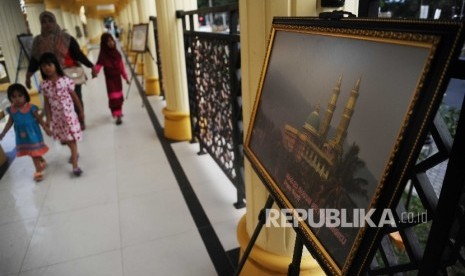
x=341, y=112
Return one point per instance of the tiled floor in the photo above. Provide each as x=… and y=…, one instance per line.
x=126, y=215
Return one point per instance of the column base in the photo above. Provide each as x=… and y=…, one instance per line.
x=4, y=86
x=177, y=125
x=132, y=57
x=261, y=262
x=85, y=50
x=152, y=86
x=94, y=40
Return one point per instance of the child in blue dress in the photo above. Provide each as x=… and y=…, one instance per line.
x=26, y=120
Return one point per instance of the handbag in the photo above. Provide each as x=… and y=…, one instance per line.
x=76, y=73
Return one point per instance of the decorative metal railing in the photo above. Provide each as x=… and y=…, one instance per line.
x=214, y=85
x=157, y=50
x=437, y=195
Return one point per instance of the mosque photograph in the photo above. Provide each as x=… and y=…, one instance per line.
x=321, y=126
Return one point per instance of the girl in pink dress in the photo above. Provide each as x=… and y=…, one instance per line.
x=59, y=96
x=110, y=59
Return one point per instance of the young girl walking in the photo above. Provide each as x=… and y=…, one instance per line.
x=26, y=120
x=59, y=97
x=110, y=59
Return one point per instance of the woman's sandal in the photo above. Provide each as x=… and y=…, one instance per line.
x=38, y=176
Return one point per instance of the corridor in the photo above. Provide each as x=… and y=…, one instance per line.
x=143, y=206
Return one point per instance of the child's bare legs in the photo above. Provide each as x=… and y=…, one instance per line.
x=37, y=160
x=39, y=164
x=42, y=162
x=74, y=157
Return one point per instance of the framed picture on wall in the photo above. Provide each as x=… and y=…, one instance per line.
x=139, y=37
x=342, y=110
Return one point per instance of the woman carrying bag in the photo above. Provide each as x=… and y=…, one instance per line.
x=65, y=47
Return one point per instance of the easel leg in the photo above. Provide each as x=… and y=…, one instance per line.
x=294, y=267
x=132, y=76
x=129, y=86
x=19, y=65
x=258, y=228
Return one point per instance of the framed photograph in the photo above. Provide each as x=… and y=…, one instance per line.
x=25, y=40
x=342, y=111
x=139, y=37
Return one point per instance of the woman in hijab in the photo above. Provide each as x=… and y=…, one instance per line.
x=65, y=47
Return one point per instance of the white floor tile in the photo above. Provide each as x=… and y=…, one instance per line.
x=186, y=149
x=20, y=175
x=92, y=188
x=154, y=216
x=106, y=264
x=101, y=161
x=146, y=178
x=130, y=154
x=22, y=202
x=217, y=200
x=182, y=254
x=14, y=241
x=70, y=235
x=201, y=169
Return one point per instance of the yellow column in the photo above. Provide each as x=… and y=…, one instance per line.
x=130, y=19
x=273, y=249
x=147, y=9
x=54, y=6
x=67, y=23
x=134, y=12
x=94, y=24
x=34, y=9
x=76, y=21
x=136, y=58
x=122, y=23
x=127, y=25
x=132, y=22
x=176, y=112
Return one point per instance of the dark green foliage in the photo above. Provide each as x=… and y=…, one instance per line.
x=450, y=116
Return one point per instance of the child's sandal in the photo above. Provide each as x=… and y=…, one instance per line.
x=43, y=165
x=77, y=172
x=38, y=176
